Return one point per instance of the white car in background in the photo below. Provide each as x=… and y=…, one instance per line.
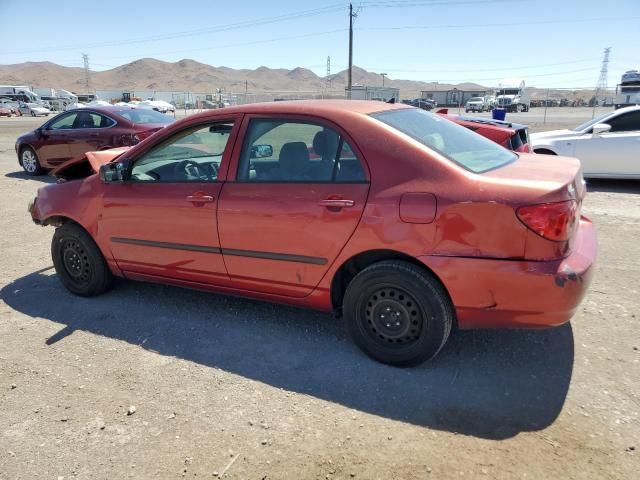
x=475, y=104
x=33, y=109
x=157, y=105
x=71, y=106
x=608, y=146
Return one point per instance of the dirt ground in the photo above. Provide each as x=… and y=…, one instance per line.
x=226, y=387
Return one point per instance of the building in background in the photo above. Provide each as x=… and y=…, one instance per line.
x=451, y=97
x=362, y=92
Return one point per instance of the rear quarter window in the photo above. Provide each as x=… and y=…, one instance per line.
x=460, y=145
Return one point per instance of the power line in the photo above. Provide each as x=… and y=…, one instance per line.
x=506, y=24
x=201, y=31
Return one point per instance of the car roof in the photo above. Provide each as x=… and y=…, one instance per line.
x=631, y=108
x=313, y=107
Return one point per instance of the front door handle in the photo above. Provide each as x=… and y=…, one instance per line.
x=336, y=203
x=200, y=198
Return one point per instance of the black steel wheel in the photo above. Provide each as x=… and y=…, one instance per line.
x=398, y=313
x=78, y=261
x=393, y=316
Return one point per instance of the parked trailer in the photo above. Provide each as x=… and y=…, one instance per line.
x=628, y=90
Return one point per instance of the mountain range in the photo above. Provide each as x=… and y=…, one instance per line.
x=189, y=75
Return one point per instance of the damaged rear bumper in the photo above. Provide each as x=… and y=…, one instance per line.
x=490, y=293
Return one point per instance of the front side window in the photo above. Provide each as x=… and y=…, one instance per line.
x=287, y=151
x=627, y=122
x=460, y=145
x=65, y=122
x=193, y=155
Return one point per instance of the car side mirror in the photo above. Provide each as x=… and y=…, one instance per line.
x=261, y=151
x=112, y=172
x=600, y=128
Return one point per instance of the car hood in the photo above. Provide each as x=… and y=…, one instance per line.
x=552, y=134
x=87, y=164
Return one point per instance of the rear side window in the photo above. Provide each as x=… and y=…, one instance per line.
x=460, y=145
x=297, y=152
x=145, y=116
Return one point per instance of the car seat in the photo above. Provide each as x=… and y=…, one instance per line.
x=293, y=162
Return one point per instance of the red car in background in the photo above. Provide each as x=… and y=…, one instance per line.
x=77, y=131
x=403, y=222
x=512, y=136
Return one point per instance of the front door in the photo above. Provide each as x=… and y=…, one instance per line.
x=56, y=137
x=161, y=221
x=616, y=152
x=298, y=195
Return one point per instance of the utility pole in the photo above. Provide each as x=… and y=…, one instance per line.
x=349, y=82
x=602, y=80
x=383, y=75
x=87, y=75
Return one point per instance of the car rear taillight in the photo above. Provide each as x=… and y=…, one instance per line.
x=553, y=221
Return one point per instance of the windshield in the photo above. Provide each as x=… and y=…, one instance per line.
x=460, y=145
x=475, y=99
x=591, y=122
x=146, y=116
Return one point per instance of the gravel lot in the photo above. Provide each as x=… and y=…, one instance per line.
x=242, y=389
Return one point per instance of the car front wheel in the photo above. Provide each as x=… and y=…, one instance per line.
x=29, y=161
x=78, y=261
x=398, y=313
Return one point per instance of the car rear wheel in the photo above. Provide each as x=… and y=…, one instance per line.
x=29, y=161
x=78, y=261
x=398, y=313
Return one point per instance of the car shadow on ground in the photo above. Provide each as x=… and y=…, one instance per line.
x=23, y=176
x=490, y=384
x=613, y=186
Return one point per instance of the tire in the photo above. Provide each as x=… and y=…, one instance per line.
x=33, y=114
x=413, y=298
x=30, y=162
x=80, y=265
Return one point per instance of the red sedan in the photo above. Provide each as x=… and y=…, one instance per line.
x=402, y=221
x=77, y=131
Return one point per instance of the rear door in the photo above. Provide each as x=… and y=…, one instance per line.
x=616, y=152
x=90, y=132
x=298, y=192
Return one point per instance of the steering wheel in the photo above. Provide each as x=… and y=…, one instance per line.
x=189, y=169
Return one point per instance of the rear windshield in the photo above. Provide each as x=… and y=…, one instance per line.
x=460, y=145
x=144, y=116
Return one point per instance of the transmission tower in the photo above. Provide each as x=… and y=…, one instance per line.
x=328, y=72
x=87, y=74
x=601, y=86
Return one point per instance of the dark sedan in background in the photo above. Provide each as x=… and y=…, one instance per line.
x=81, y=130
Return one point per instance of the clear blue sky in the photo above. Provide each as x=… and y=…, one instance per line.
x=547, y=42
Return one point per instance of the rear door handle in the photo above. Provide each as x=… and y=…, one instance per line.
x=200, y=198
x=336, y=203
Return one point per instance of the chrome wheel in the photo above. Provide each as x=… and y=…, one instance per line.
x=29, y=161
